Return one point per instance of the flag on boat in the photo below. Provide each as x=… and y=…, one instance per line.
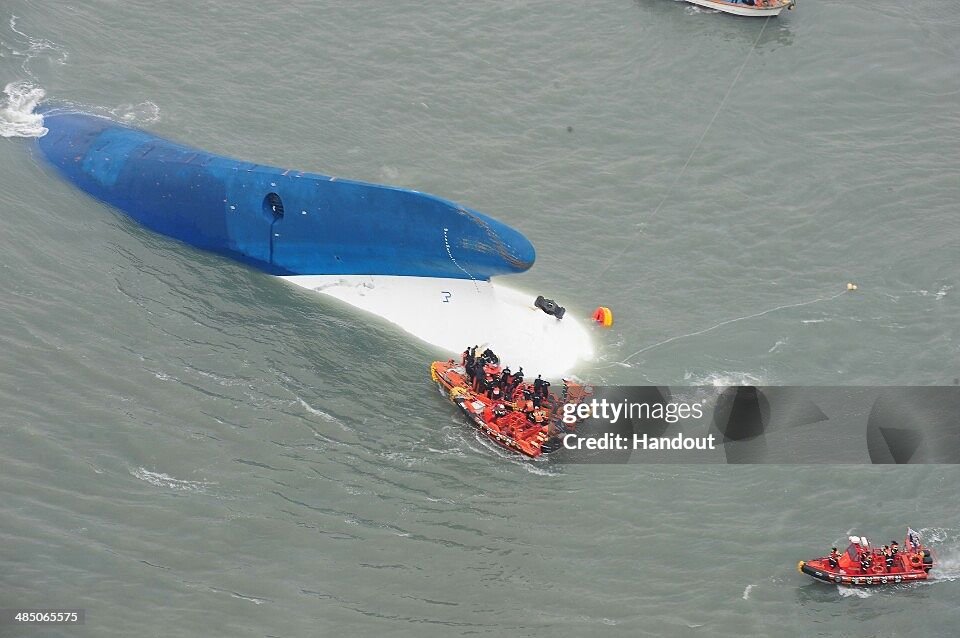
x=913, y=538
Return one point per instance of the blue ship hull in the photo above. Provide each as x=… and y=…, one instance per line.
x=283, y=222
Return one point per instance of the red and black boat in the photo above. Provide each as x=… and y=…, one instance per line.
x=864, y=565
x=510, y=420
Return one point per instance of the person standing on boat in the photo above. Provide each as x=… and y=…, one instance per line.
x=834, y=558
x=866, y=562
x=888, y=557
x=479, y=379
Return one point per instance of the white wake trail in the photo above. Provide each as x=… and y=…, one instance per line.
x=17, y=118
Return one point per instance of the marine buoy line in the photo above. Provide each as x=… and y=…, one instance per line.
x=696, y=147
x=727, y=323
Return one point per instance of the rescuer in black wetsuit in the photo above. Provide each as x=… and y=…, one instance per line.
x=866, y=562
x=537, y=384
x=888, y=557
x=834, y=559
x=489, y=356
x=484, y=383
x=479, y=379
x=545, y=389
x=518, y=377
x=894, y=548
x=505, y=380
x=470, y=362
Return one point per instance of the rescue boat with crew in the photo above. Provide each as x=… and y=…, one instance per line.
x=755, y=8
x=865, y=565
x=512, y=420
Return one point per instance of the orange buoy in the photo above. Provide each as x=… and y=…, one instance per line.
x=603, y=316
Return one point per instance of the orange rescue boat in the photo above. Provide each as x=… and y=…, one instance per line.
x=511, y=422
x=864, y=565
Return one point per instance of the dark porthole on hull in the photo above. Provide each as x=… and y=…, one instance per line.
x=273, y=205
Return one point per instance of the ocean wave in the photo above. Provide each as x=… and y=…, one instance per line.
x=938, y=295
x=776, y=346
x=946, y=546
x=139, y=114
x=145, y=112
x=26, y=46
x=854, y=592
x=317, y=412
x=159, y=479
x=722, y=379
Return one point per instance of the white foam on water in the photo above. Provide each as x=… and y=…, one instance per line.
x=746, y=592
x=940, y=294
x=17, y=118
x=250, y=599
x=947, y=568
x=777, y=345
x=140, y=114
x=165, y=480
x=854, y=592
x=320, y=413
x=934, y=534
x=146, y=112
x=723, y=379
x=946, y=547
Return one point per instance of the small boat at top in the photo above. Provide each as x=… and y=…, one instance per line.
x=520, y=416
x=758, y=8
x=865, y=565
